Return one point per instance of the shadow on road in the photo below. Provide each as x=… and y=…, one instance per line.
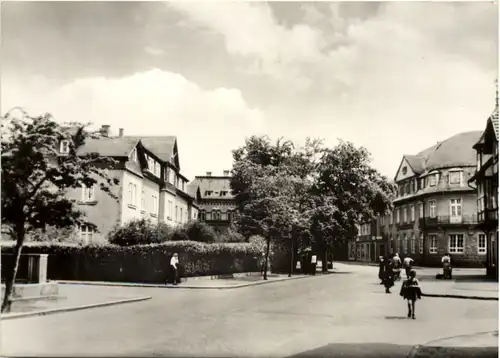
x=351, y=350
x=396, y=317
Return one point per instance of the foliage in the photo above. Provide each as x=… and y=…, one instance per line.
x=143, y=263
x=346, y=193
x=53, y=234
x=199, y=231
x=139, y=232
x=35, y=177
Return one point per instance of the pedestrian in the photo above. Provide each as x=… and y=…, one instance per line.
x=174, y=268
x=446, y=262
x=407, y=263
x=411, y=291
x=396, y=266
x=388, y=275
x=381, y=267
x=314, y=262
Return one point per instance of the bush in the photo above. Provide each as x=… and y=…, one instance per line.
x=232, y=236
x=200, y=232
x=139, y=232
x=53, y=234
x=142, y=263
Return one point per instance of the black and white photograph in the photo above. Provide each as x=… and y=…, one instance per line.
x=249, y=179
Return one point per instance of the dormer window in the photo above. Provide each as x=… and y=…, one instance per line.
x=432, y=179
x=405, y=170
x=455, y=177
x=64, y=147
x=208, y=192
x=223, y=193
x=157, y=169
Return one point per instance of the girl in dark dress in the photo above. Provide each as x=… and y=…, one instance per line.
x=410, y=291
x=388, y=276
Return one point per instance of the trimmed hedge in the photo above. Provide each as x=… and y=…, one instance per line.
x=143, y=263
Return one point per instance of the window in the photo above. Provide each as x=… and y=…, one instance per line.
x=397, y=216
x=421, y=210
x=456, y=243
x=229, y=215
x=432, y=208
x=64, y=147
x=176, y=213
x=481, y=244
x=86, y=234
x=405, y=169
x=208, y=192
x=405, y=214
x=223, y=193
x=151, y=163
x=143, y=201
x=132, y=190
x=166, y=173
x=88, y=194
x=157, y=169
x=456, y=207
x=455, y=177
x=433, y=247
x=412, y=211
x=407, y=188
x=170, y=209
x=397, y=244
x=180, y=214
x=390, y=244
x=422, y=183
x=208, y=216
x=202, y=216
x=405, y=243
x=154, y=209
x=413, y=244
x=391, y=218
x=421, y=243
x=133, y=155
x=432, y=180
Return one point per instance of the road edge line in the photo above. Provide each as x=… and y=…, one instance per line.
x=73, y=308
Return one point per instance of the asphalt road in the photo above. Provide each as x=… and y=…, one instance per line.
x=338, y=315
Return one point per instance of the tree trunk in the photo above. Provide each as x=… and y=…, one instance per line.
x=266, y=263
x=325, y=261
x=9, y=282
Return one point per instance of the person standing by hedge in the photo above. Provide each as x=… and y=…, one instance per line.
x=174, y=268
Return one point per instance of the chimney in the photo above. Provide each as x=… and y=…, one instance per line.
x=209, y=174
x=105, y=130
x=120, y=131
x=226, y=173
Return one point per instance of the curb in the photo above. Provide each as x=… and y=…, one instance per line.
x=71, y=309
x=191, y=287
x=463, y=297
x=420, y=347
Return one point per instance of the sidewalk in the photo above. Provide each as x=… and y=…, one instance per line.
x=200, y=282
x=454, y=289
x=73, y=298
x=476, y=345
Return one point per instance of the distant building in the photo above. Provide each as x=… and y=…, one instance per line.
x=486, y=181
x=435, y=210
x=214, y=198
x=151, y=185
x=370, y=243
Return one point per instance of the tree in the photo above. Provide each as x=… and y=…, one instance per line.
x=35, y=178
x=346, y=192
x=270, y=183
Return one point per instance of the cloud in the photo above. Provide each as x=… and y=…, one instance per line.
x=207, y=123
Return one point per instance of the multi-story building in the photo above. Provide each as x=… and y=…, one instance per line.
x=436, y=211
x=214, y=198
x=486, y=182
x=370, y=243
x=150, y=183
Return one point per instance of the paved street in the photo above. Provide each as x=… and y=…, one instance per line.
x=343, y=314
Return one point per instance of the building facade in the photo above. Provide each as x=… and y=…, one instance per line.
x=151, y=185
x=435, y=211
x=485, y=180
x=370, y=243
x=214, y=198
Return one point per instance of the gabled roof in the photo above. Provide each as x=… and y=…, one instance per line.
x=494, y=121
x=455, y=151
x=109, y=147
x=162, y=146
x=211, y=183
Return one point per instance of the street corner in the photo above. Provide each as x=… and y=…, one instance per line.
x=355, y=350
x=475, y=345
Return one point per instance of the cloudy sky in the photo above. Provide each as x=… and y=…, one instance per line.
x=393, y=77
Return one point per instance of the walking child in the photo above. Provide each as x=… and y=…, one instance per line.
x=410, y=291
